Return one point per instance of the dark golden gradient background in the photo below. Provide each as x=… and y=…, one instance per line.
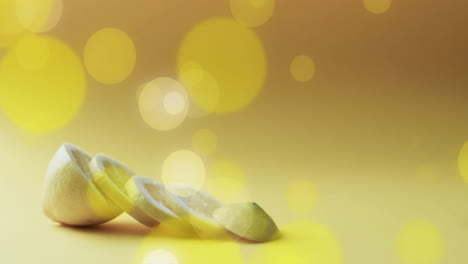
x=378, y=130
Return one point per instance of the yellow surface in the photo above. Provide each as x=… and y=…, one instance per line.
x=378, y=131
x=204, y=142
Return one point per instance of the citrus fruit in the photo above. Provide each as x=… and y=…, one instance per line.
x=110, y=176
x=70, y=196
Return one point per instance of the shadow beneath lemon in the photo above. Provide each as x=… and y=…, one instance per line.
x=126, y=229
x=111, y=228
x=129, y=229
x=243, y=240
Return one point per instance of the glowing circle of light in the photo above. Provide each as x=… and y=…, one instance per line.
x=227, y=168
x=229, y=58
x=301, y=242
x=160, y=256
x=302, y=68
x=109, y=55
x=206, y=98
x=10, y=27
x=377, y=6
x=163, y=103
x=39, y=15
x=463, y=162
x=226, y=181
x=186, y=249
x=174, y=103
x=226, y=189
x=183, y=167
x=419, y=242
x=252, y=13
x=42, y=84
x=32, y=52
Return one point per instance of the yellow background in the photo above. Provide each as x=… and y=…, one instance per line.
x=377, y=130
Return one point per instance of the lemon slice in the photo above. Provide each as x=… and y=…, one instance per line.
x=197, y=208
x=110, y=176
x=247, y=220
x=69, y=196
x=151, y=197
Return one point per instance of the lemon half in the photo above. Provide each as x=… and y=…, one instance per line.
x=70, y=197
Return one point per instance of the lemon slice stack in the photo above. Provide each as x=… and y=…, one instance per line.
x=81, y=190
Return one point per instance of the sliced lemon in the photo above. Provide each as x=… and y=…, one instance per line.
x=247, y=220
x=152, y=197
x=69, y=196
x=110, y=176
x=197, y=209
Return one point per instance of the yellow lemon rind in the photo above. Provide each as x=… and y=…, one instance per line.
x=103, y=178
x=142, y=198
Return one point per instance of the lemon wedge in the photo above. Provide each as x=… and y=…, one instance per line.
x=247, y=220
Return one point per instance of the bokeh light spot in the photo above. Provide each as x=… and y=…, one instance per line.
x=163, y=103
x=109, y=55
x=39, y=15
x=174, y=102
x=301, y=196
x=187, y=249
x=204, y=142
x=206, y=96
x=42, y=84
x=377, y=6
x=419, y=242
x=10, y=27
x=463, y=162
x=301, y=242
x=226, y=181
x=227, y=190
x=302, y=68
x=227, y=168
x=160, y=256
x=252, y=13
x=32, y=52
x=230, y=60
x=183, y=167
x=55, y=15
